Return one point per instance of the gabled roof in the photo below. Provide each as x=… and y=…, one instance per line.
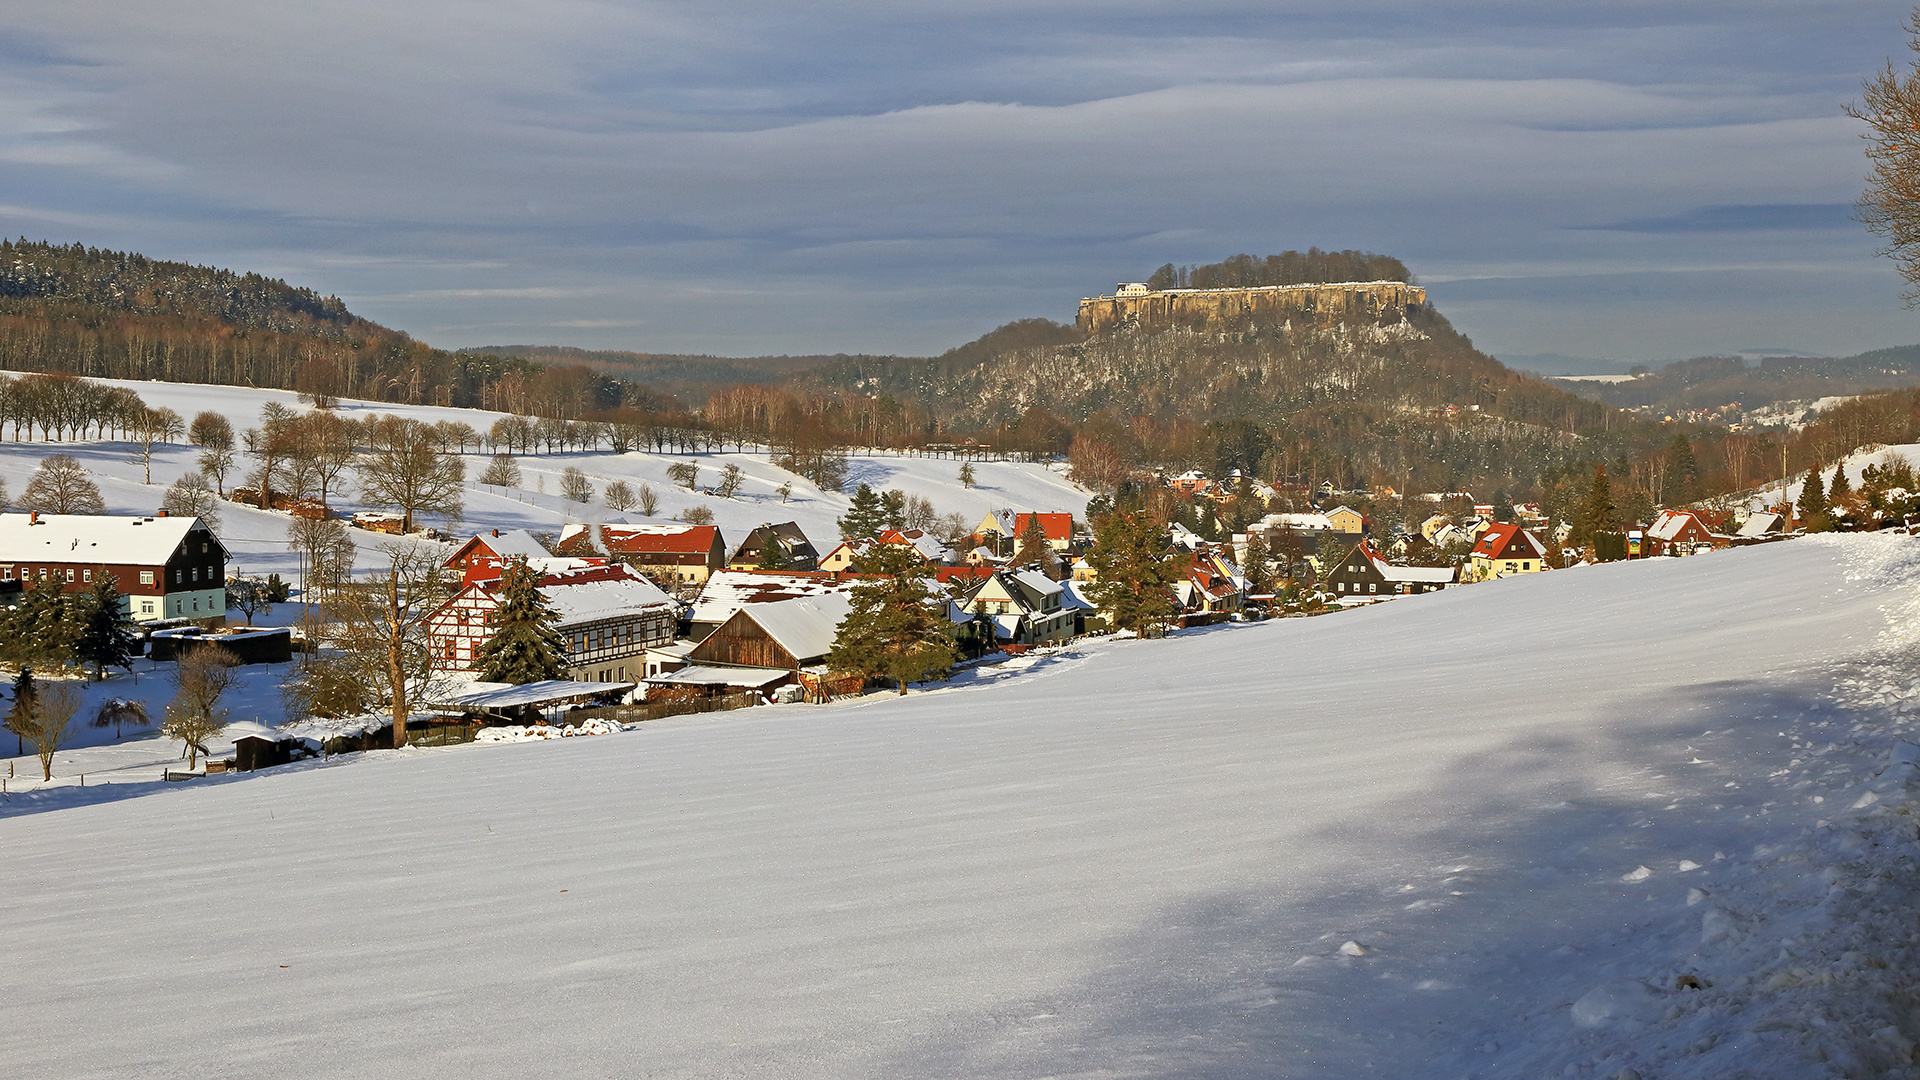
x=1671, y=523
x=1057, y=526
x=1299, y=522
x=1760, y=524
x=788, y=533
x=588, y=594
x=1507, y=541
x=666, y=538
x=500, y=545
x=727, y=591
x=103, y=538
x=804, y=627
x=930, y=549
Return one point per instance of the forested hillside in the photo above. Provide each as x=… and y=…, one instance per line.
x=1712, y=382
x=1309, y=267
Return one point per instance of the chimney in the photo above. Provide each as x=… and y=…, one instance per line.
x=496, y=532
x=162, y=513
x=33, y=517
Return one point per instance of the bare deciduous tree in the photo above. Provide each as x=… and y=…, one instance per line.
x=575, y=486
x=684, y=473
x=404, y=467
x=49, y=723
x=190, y=496
x=61, y=486
x=380, y=624
x=620, y=495
x=201, y=677
x=1890, y=207
x=502, y=471
x=649, y=501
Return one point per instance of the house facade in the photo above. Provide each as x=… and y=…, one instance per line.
x=794, y=546
x=1677, y=532
x=609, y=615
x=1504, y=550
x=165, y=567
x=672, y=554
x=1026, y=608
x=1362, y=575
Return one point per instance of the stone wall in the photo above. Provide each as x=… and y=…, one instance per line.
x=1236, y=307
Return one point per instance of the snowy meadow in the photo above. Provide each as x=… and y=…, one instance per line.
x=1647, y=817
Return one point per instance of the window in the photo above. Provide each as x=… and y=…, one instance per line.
x=146, y=607
x=86, y=575
x=69, y=573
x=176, y=575
x=146, y=577
x=6, y=574
x=196, y=573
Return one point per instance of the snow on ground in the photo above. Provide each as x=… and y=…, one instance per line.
x=1647, y=816
x=1768, y=498
x=258, y=539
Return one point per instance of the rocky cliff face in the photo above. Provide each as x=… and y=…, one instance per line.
x=1235, y=309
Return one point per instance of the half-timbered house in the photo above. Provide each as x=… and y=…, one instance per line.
x=609, y=616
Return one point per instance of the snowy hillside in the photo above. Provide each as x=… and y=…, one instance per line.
x=1856, y=463
x=1628, y=817
x=258, y=540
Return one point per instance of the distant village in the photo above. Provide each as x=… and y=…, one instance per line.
x=663, y=618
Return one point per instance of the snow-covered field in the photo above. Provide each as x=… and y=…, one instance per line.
x=259, y=543
x=1648, y=816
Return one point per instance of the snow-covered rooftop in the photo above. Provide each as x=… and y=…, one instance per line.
x=806, y=626
x=107, y=538
x=727, y=591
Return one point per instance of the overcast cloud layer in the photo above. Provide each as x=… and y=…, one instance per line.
x=1629, y=180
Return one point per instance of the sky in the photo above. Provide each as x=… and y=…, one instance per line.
x=1627, y=181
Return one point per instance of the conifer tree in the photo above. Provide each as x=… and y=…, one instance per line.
x=105, y=632
x=772, y=555
x=1033, y=544
x=1680, y=477
x=1842, y=484
x=20, y=717
x=524, y=647
x=1812, y=504
x=897, y=625
x=1258, y=571
x=866, y=518
x=1135, y=573
x=1597, y=513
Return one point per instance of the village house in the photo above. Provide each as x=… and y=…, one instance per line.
x=1505, y=549
x=792, y=636
x=486, y=551
x=673, y=554
x=165, y=567
x=609, y=615
x=1678, y=532
x=1025, y=607
x=1345, y=519
x=1006, y=527
x=796, y=550
x=1363, y=575
x=931, y=551
x=730, y=590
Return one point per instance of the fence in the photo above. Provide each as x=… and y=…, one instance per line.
x=630, y=714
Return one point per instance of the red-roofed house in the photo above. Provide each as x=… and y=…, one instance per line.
x=1503, y=549
x=483, y=554
x=1058, y=527
x=1675, y=532
x=671, y=553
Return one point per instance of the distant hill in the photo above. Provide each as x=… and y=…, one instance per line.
x=689, y=378
x=1713, y=382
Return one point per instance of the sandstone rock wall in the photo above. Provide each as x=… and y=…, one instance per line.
x=1233, y=307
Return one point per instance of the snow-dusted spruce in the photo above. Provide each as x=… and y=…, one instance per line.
x=897, y=626
x=523, y=647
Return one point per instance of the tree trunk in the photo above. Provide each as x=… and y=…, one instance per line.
x=396, y=667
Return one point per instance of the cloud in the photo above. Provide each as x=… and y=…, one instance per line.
x=600, y=166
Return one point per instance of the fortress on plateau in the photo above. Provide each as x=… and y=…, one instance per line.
x=1134, y=303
